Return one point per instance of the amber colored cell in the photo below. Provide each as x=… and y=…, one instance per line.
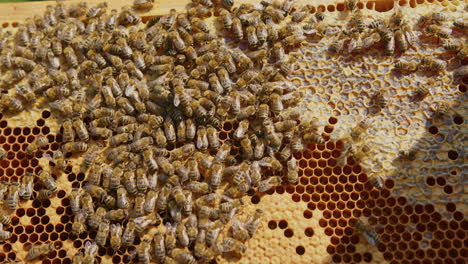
x=283, y=224
x=296, y=197
x=319, y=189
x=255, y=199
x=33, y=238
x=44, y=237
x=11, y=139
x=15, y=163
x=452, y=154
x=39, y=228
x=36, y=131
x=288, y=233
x=7, y=131
x=322, y=163
x=4, y=163
x=272, y=224
x=63, y=236
x=335, y=153
x=307, y=214
x=316, y=155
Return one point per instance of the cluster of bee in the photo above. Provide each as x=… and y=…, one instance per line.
x=144, y=104
x=362, y=33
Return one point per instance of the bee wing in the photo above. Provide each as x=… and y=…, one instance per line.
x=47, y=156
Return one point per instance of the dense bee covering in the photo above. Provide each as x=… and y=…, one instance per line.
x=174, y=140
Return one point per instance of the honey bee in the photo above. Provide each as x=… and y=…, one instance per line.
x=72, y=147
x=116, y=215
x=390, y=46
x=159, y=246
x=230, y=244
x=406, y=66
x=437, y=31
x=227, y=4
x=25, y=92
x=4, y=235
x=239, y=232
x=252, y=39
x=237, y=29
x=90, y=252
x=438, y=17
x=460, y=23
x=371, y=236
x=138, y=205
x=212, y=233
x=216, y=173
x=292, y=170
x=351, y=4
x=253, y=222
x=370, y=40
x=269, y=183
x=431, y=64
x=143, y=5
x=100, y=132
x=102, y=233
x=5, y=219
x=247, y=150
x=97, y=217
x=198, y=187
x=77, y=258
x=115, y=236
x=400, y=40
x=379, y=100
x=47, y=180
x=39, y=250
x=11, y=200
x=443, y=109
x=454, y=46
x=44, y=194
x=170, y=239
x=37, y=144
x=130, y=182
x=194, y=173
x=241, y=129
x=355, y=45
x=241, y=173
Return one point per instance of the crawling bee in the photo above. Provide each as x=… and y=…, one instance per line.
x=443, y=109
x=5, y=219
x=72, y=147
x=4, y=235
x=115, y=236
x=460, y=23
x=182, y=255
x=371, y=236
x=336, y=46
x=232, y=245
x=102, y=233
x=3, y=153
x=421, y=91
x=379, y=100
x=269, y=183
x=143, y=5
x=431, y=64
x=37, y=144
x=437, y=31
x=39, y=250
x=406, y=66
x=90, y=252
x=292, y=170
x=47, y=180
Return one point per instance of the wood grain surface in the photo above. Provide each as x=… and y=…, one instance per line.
x=16, y=12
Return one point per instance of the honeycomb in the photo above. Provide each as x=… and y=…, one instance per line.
x=419, y=214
